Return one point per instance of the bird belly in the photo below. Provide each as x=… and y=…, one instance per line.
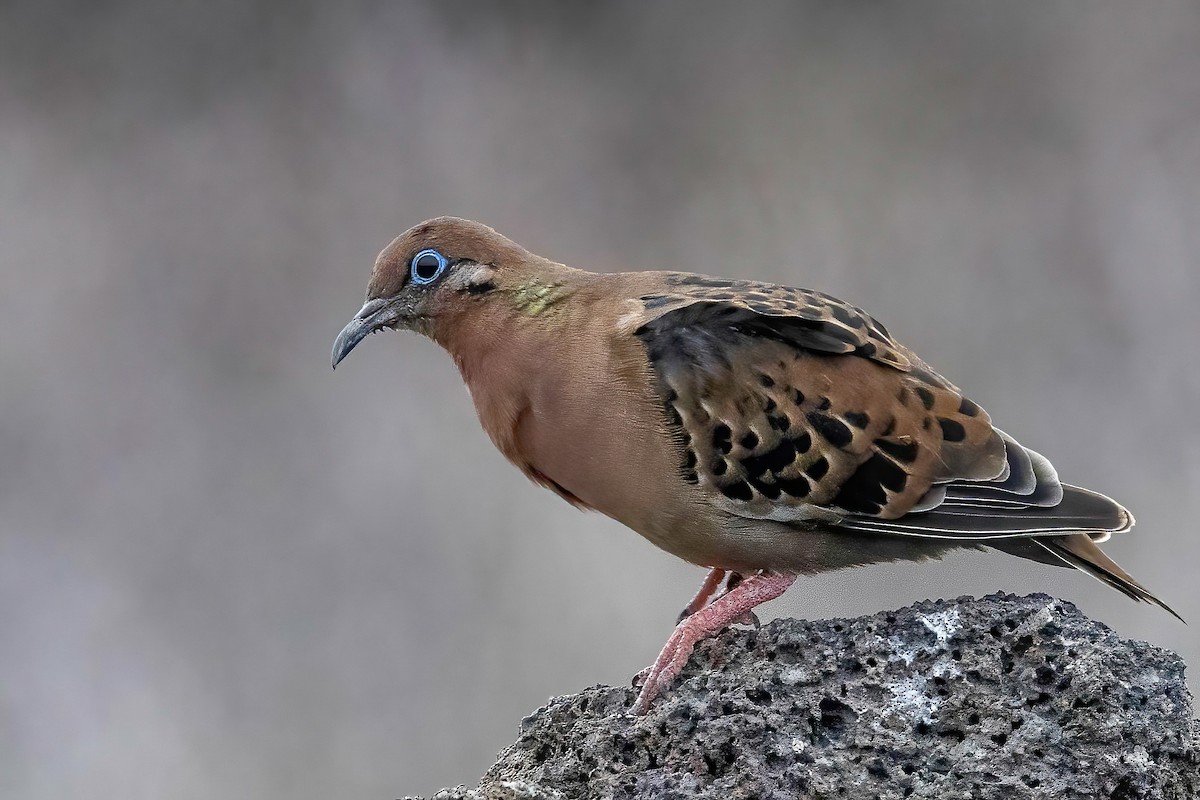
x=747, y=545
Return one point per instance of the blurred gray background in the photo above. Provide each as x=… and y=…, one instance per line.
x=227, y=572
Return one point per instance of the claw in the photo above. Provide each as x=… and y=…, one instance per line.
x=749, y=618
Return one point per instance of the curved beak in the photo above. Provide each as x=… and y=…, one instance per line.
x=376, y=314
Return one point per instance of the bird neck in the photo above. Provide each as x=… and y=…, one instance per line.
x=526, y=309
x=503, y=344
x=539, y=296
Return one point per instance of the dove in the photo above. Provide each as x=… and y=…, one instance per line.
x=760, y=431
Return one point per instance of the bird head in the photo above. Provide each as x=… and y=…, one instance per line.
x=430, y=274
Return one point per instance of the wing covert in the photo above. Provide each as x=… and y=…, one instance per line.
x=803, y=317
x=791, y=405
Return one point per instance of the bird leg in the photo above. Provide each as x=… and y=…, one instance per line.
x=749, y=618
x=708, y=594
x=750, y=592
x=715, y=576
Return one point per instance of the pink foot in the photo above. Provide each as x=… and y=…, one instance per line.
x=707, y=590
x=727, y=608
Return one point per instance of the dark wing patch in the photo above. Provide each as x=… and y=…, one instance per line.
x=775, y=430
x=801, y=317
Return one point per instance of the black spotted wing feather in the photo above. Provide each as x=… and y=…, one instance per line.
x=811, y=411
x=791, y=405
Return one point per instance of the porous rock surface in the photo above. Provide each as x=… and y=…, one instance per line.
x=1000, y=697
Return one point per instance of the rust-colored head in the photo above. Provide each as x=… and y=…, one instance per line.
x=428, y=271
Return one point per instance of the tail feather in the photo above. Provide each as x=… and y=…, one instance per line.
x=1079, y=551
x=1026, y=511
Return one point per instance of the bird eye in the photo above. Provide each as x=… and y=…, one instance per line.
x=427, y=265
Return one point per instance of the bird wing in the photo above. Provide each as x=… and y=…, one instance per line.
x=806, y=318
x=791, y=405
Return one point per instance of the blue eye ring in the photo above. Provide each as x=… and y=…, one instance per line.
x=420, y=266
